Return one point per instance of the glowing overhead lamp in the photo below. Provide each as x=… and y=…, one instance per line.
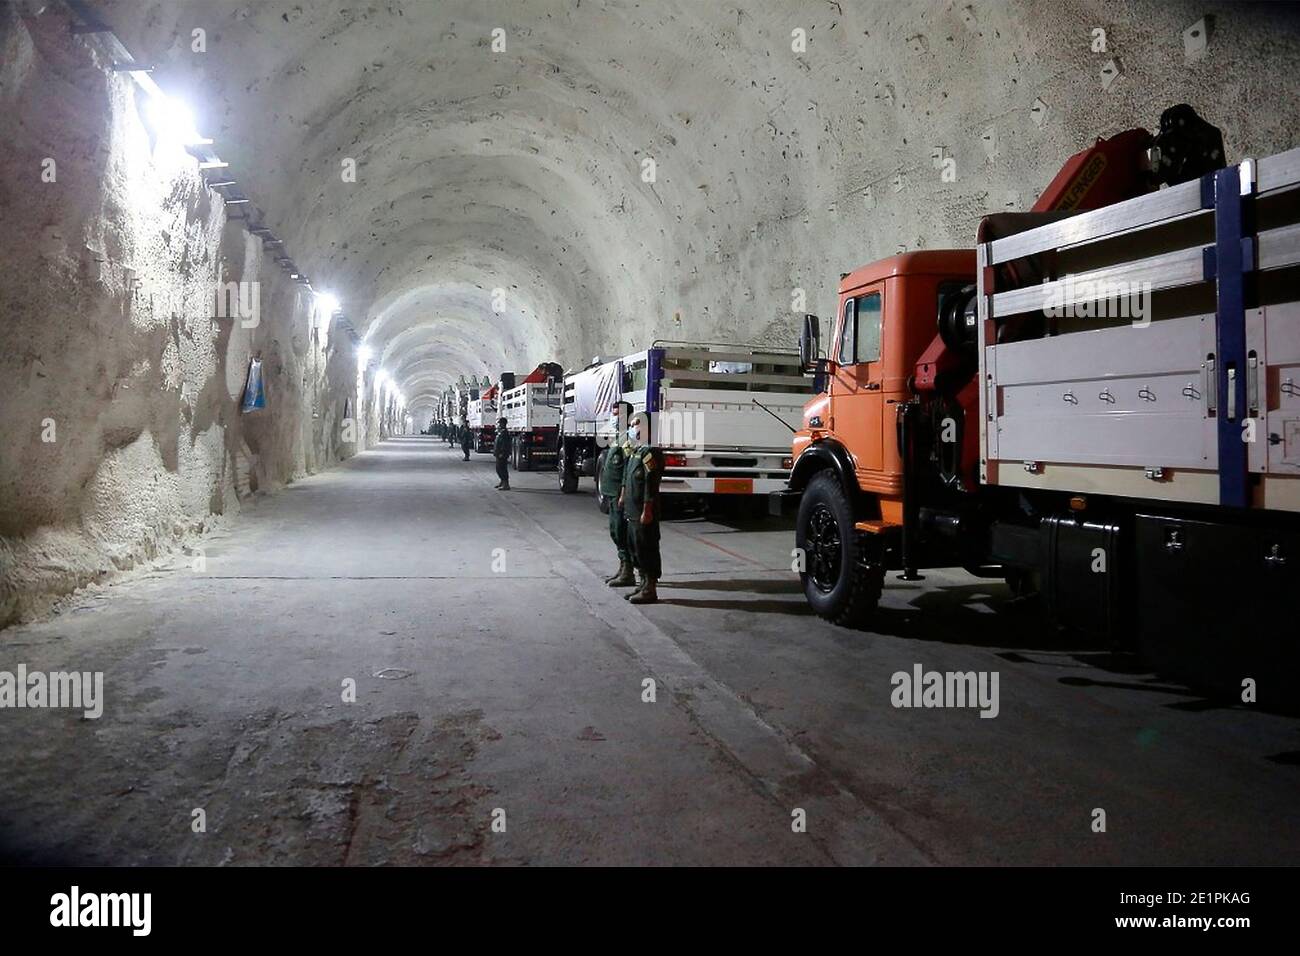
x=326, y=303
x=172, y=120
x=364, y=355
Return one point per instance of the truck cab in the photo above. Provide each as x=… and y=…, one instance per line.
x=885, y=321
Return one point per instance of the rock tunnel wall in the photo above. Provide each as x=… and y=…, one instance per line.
x=500, y=214
x=122, y=431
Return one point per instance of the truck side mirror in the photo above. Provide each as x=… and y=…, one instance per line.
x=810, y=342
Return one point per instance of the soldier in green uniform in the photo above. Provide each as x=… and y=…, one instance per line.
x=501, y=452
x=640, y=503
x=466, y=439
x=611, y=488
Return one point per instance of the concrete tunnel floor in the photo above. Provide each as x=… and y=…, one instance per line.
x=480, y=691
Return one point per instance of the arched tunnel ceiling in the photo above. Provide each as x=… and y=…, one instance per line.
x=522, y=171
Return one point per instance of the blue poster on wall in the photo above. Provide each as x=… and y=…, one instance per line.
x=254, y=396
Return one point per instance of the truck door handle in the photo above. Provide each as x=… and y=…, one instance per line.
x=873, y=386
x=1211, y=387
x=1252, y=384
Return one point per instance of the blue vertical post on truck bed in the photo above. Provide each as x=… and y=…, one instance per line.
x=1232, y=259
x=654, y=370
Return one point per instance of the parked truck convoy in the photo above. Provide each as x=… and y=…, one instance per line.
x=722, y=414
x=1101, y=401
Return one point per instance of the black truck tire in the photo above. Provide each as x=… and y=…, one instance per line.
x=600, y=468
x=568, y=477
x=525, y=454
x=839, y=582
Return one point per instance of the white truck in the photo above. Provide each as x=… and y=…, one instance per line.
x=722, y=415
x=532, y=413
x=481, y=416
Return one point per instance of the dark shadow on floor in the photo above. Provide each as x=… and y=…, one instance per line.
x=795, y=608
x=749, y=585
x=980, y=614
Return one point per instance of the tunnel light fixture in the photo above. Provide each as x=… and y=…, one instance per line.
x=171, y=119
x=326, y=304
x=364, y=354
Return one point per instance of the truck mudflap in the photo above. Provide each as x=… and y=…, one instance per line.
x=784, y=502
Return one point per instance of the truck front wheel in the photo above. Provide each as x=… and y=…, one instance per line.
x=840, y=581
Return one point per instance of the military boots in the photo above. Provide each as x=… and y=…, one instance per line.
x=623, y=577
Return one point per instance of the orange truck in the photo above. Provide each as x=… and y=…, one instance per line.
x=1099, y=403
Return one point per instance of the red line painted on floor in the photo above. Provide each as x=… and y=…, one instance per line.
x=726, y=551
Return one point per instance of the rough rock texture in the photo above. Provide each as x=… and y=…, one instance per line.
x=522, y=170
x=620, y=171
x=122, y=431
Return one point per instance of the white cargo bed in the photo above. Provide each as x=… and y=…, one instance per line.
x=1156, y=409
x=725, y=414
x=481, y=413
x=533, y=406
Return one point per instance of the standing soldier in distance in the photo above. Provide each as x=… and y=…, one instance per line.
x=611, y=489
x=640, y=503
x=501, y=452
x=466, y=439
